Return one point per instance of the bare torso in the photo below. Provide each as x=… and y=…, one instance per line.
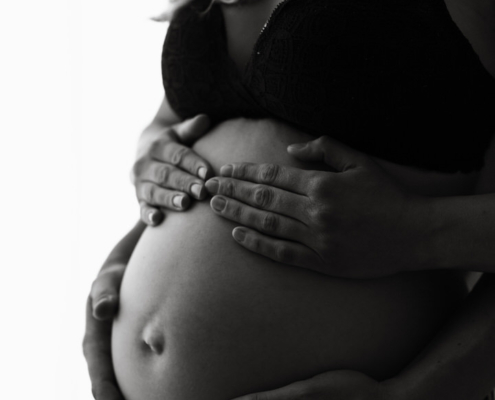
x=202, y=318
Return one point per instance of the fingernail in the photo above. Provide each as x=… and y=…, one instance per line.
x=152, y=217
x=212, y=186
x=178, y=201
x=197, y=190
x=155, y=217
x=218, y=203
x=239, y=234
x=202, y=172
x=103, y=307
x=297, y=146
x=101, y=301
x=226, y=170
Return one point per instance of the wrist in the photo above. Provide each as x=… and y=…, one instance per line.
x=399, y=389
x=423, y=225
x=152, y=132
x=446, y=248
x=413, y=386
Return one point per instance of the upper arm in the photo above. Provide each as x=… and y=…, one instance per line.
x=165, y=116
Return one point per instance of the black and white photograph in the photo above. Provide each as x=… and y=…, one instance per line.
x=248, y=199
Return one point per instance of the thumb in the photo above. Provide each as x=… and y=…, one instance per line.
x=192, y=129
x=165, y=16
x=169, y=12
x=105, y=291
x=328, y=150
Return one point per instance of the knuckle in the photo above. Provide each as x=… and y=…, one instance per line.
x=179, y=155
x=236, y=212
x=149, y=192
x=268, y=172
x=319, y=184
x=162, y=174
x=269, y=222
x=180, y=182
x=263, y=196
x=239, y=170
x=228, y=188
x=160, y=198
x=323, y=140
x=282, y=253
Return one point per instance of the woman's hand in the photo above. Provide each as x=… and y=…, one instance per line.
x=101, y=307
x=97, y=351
x=336, y=385
x=167, y=171
x=355, y=222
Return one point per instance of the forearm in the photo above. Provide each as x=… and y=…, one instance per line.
x=163, y=119
x=459, y=364
x=462, y=232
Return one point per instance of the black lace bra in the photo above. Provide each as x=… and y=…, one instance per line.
x=395, y=79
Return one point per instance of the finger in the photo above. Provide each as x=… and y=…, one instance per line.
x=192, y=129
x=288, y=178
x=263, y=221
x=169, y=13
x=150, y=215
x=163, y=17
x=105, y=291
x=294, y=391
x=182, y=156
x=285, y=252
x=261, y=196
x=170, y=177
x=155, y=195
x=97, y=351
x=330, y=151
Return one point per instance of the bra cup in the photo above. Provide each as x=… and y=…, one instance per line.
x=393, y=79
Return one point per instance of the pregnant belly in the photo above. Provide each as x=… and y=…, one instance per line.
x=202, y=318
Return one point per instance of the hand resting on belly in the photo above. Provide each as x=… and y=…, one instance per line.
x=202, y=318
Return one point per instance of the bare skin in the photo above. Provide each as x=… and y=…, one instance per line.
x=482, y=10
x=186, y=307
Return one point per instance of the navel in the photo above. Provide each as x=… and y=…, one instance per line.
x=154, y=337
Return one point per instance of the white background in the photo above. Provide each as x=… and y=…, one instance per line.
x=79, y=80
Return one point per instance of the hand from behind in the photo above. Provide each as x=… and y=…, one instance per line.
x=167, y=172
x=355, y=222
